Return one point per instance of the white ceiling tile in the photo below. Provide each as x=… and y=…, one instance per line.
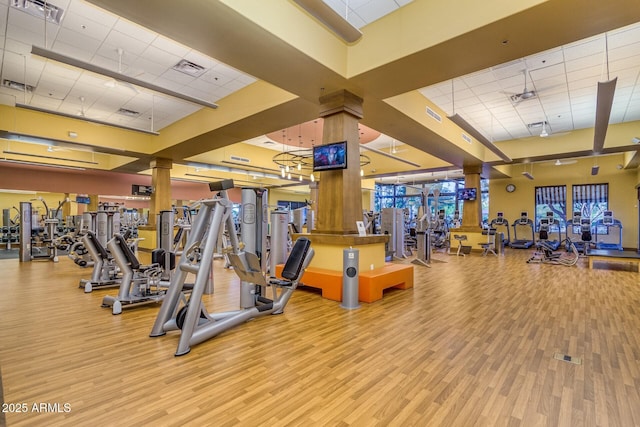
x=169, y=46
x=86, y=27
x=76, y=39
x=72, y=51
x=123, y=41
x=161, y=57
x=92, y=13
x=588, y=47
x=586, y=62
x=545, y=59
x=134, y=31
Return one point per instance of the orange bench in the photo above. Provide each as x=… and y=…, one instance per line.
x=371, y=282
x=374, y=282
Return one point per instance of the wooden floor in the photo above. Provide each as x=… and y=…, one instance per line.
x=473, y=343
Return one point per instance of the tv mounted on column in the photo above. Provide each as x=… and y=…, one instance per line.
x=330, y=156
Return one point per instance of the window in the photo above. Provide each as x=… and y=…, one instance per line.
x=591, y=200
x=552, y=198
x=410, y=197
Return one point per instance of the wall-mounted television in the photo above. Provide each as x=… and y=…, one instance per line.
x=141, y=190
x=466, y=194
x=330, y=156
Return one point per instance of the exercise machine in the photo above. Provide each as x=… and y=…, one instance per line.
x=440, y=232
x=501, y=221
x=545, y=254
x=192, y=320
x=105, y=273
x=139, y=285
x=610, y=224
x=546, y=225
x=10, y=231
x=523, y=221
x=582, y=228
x=423, y=239
x=253, y=234
x=279, y=238
x=164, y=254
x=490, y=245
x=392, y=223
x=371, y=221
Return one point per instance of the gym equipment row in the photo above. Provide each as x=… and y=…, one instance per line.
x=580, y=231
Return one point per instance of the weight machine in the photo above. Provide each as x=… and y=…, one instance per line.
x=192, y=320
x=139, y=284
x=423, y=239
x=105, y=273
x=29, y=237
x=392, y=223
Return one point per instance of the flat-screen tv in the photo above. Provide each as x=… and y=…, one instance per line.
x=466, y=194
x=330, y=156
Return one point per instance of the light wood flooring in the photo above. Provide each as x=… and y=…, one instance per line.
x=472, y=344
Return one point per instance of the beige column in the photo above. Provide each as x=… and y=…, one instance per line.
x=93, y=203
x=339, y=193
x=66, y=208
x=161, y=183
x=472, y=212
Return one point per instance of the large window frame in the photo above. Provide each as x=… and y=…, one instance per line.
x=551, y=198
x=410, y=197
x=591, y=200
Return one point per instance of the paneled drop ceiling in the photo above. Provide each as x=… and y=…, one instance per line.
x=563, y=82
x=560, y=82
x=92, y=35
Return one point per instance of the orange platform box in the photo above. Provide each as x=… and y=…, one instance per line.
x=371, y=283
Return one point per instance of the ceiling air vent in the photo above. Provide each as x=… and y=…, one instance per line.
x=239, y=159
x=188, y=67
x=42, y=9
x=17, y=85
x=434, y=115
x=128, y=113
x=466, y=138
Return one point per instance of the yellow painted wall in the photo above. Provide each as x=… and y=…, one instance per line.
x=622, y=193
x=8, y=200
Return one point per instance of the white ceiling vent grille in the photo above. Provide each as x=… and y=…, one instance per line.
x=190, y=68
x=17, y=85
x=40, y=9
x=239, y=159
x=435, y=116
x=128, y=113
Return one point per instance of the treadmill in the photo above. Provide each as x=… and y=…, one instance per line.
x=610, y=223
x=500, y=220
x=523, y=221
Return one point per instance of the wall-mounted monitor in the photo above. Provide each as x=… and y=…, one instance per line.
x=141, y=190
x=330, y=156
x=466, y=194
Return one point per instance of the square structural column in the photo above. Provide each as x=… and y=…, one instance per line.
x=472, y=212
x=161, y=184
x=339, y=192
